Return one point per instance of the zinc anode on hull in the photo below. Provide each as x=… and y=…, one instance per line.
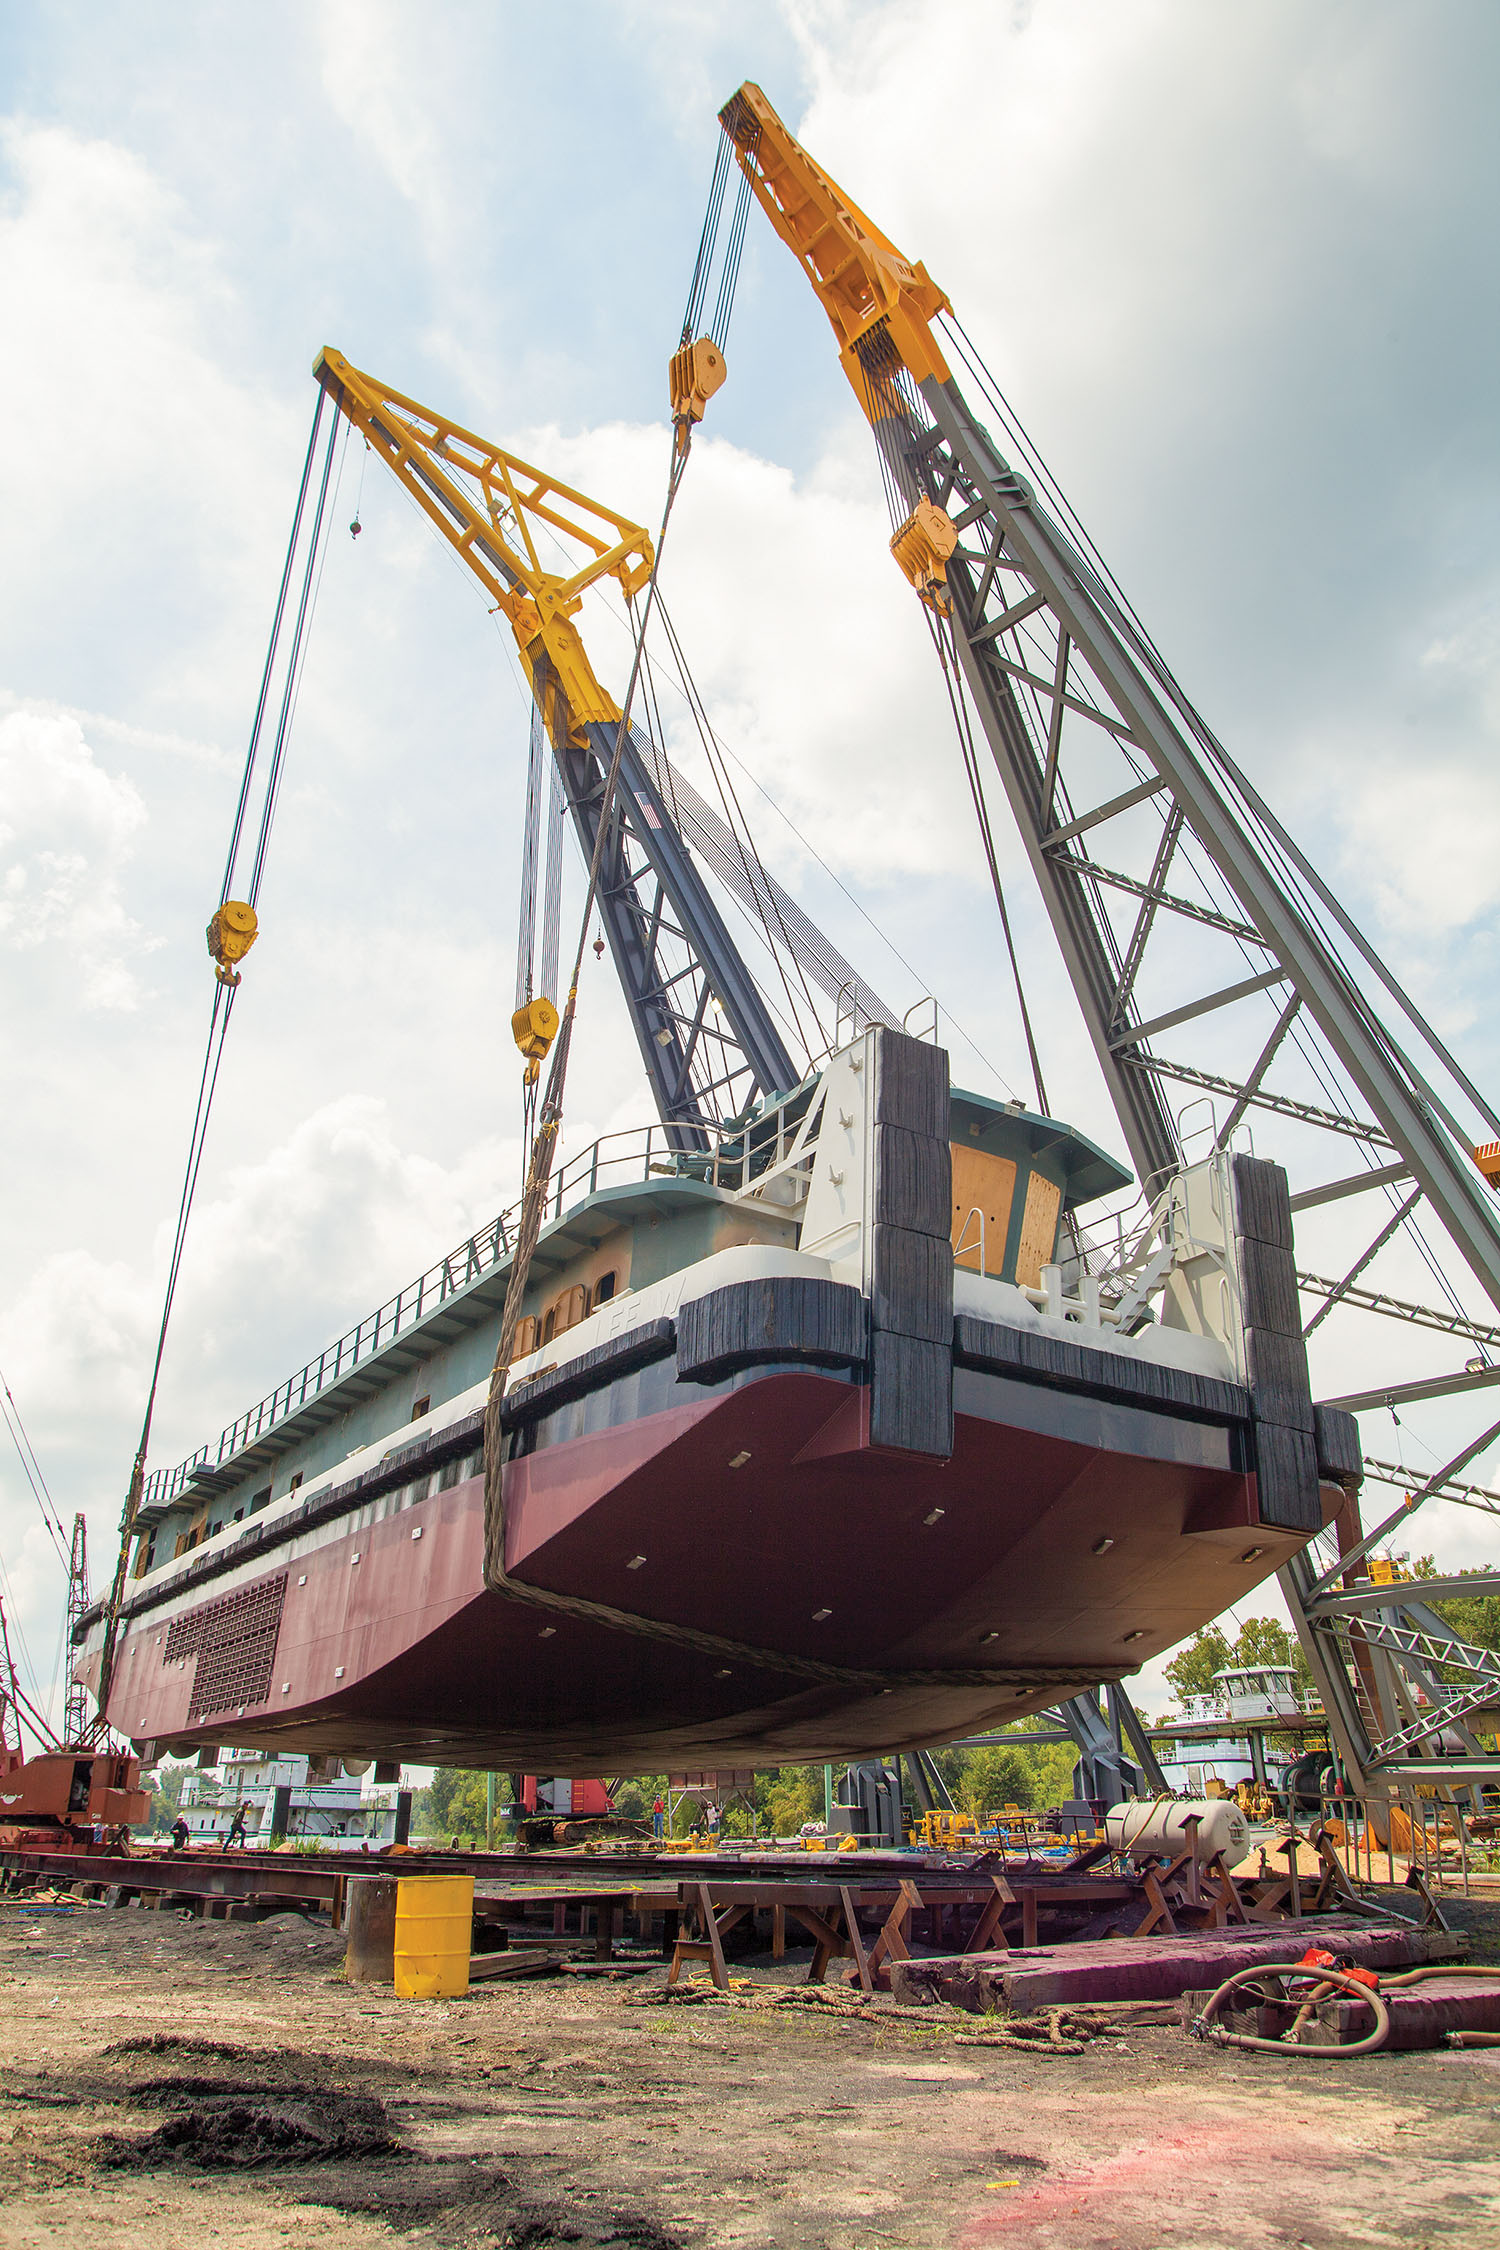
x=1076, y=1533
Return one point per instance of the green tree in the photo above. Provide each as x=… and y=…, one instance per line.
x=1265, y=1640
x=1259, y=1641
x=787, y=1796
x=1474, y=1618
x=1192, y=1669
x=165, y=1784
x=1030, y=1775
x=635, y=1797
x=455, y=1803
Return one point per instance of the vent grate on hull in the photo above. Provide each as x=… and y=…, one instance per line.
x=234, y=1640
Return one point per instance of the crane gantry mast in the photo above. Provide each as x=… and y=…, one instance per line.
x=1185, y=914
x=710, y=1045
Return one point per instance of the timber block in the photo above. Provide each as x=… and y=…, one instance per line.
x=1153, y=1968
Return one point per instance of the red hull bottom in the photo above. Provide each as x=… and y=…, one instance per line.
x=1065, y=1542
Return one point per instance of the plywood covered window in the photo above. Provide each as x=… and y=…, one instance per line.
x=1038, y=1230
x=984, y=1188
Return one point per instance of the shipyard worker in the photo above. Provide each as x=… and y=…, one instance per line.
x=179, y=1834
x=237, y=1827
x=713, y=1819
x=658, y=1816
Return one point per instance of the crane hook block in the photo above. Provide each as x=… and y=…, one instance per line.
x=1487, y=1157
x=230, y=935
x=534, y=1028
x=694, y=374
x=922, y=547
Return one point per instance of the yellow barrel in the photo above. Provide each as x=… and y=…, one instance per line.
x=434, y=1935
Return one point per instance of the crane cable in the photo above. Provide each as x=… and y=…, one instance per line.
x=544, y=1145
x=496, y=1577
x=953, y=681
x=225, y=992
x=32, y=1469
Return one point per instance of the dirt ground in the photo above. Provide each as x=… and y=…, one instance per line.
x=170, y=2081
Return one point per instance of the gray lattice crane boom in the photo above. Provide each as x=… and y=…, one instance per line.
x=709, y=1044
x=1102, y=756
x=1205, y=951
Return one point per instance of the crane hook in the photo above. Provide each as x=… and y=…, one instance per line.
x=230, y=935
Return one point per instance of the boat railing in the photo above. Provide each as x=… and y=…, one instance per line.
x=730, y=1157
x=963, y=1247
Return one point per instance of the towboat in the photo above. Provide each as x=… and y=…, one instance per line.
x=827, y=1434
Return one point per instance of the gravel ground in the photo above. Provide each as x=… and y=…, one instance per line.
x=174, y=2082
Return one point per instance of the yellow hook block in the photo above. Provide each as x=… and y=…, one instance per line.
x=922, y=546
x=230, y=935
x=694, y=374
x=534, y=1028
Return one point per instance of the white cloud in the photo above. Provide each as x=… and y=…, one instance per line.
x=1224, y=262
x=1429, y=844
x=66, y=831
x=287, y=1254
x=373, y=75
x=141, y=475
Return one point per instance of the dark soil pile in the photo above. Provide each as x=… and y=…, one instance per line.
x=287, y=2117
x=230, y=2124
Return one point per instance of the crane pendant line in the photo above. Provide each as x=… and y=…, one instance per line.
x=227, y=947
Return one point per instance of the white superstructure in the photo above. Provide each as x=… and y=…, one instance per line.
x=330, y=1808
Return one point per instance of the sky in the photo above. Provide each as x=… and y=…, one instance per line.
x=1235, y=268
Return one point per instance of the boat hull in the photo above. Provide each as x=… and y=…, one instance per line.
x=779, y=1589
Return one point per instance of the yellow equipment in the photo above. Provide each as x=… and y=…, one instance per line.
x=534, y=1028
x=880, y=304
x=230, y=936
x=693, y=375
x=943, y=1831
x=922, y=547
x=1487, y=1158
x=491, y=506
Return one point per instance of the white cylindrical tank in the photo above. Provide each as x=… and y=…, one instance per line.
x=1161, y=1830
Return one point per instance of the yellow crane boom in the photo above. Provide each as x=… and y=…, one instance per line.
x=880, y=304
x=489, y=504
x=709, y=1043
x=860, y=277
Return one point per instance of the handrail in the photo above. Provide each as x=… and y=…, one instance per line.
x=963, y=1246
x=731, y=1163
